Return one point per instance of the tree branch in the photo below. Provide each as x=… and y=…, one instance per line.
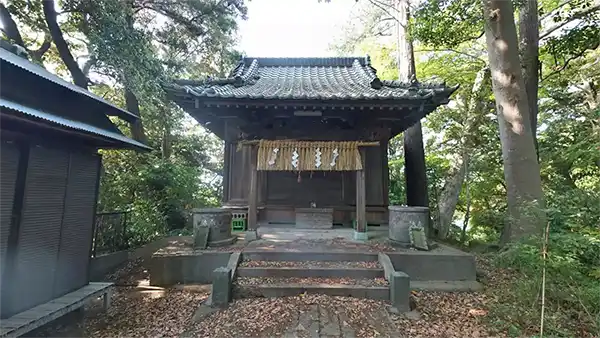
x=10, y=26
x=561, y=5
x=61, y=45
x=37, y=54
x=566, y=64
x=575, y=16
x=476, y=58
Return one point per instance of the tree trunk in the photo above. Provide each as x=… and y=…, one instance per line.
x=10, y=26
x=521, y=169
x=449, y=196
x=131, y=101
x=451, y=190
x=61, y=45
x=463, y=236
x=166, y=143
x=133, y=106
x=529, y=49
x=414, y=151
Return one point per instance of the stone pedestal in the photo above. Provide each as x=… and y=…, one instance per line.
x=218, y=221
x=314, y=218
x=402, y=218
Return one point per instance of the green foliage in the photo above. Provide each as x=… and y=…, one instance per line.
x=572, y=298
x=447, y=23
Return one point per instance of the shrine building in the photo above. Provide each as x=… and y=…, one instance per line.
x=306, y=139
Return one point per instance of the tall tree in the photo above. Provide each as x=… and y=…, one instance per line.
x=414, y=151
x=529, y=49
x=521, y=169
x=473, y=110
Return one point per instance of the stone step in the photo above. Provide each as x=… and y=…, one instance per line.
x=373, y=288
x=263, y=255
x=293, y=289
x=309, y=272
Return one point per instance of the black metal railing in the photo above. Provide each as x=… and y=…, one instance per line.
x=110, y=233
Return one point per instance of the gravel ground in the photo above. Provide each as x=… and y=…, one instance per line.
x=310, y=264
x=245, y=281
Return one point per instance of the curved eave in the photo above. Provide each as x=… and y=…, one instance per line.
x=120, y=140
x=435, y=96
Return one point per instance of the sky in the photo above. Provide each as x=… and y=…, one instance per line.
x=287, y=28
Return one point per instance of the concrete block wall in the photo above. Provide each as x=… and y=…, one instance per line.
x=185, y=269
x=452, y=265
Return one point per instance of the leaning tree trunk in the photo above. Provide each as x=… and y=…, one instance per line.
x=529, y=49
x=414, y=151
x=77, y=74
x=521, y=169
x=131, y=101
x=451, y=190
x=133, y=106
x=463, y=236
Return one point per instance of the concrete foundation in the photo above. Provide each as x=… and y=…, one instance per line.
x=440, y=265
x=191, y=268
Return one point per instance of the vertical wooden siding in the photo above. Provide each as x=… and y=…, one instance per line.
x=73, y=258
x=51, y=257
x=9, y=164
x=39, y=235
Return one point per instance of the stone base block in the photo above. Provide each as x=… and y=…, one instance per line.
x=361, y=236
x=400, y=291
x=221, y=288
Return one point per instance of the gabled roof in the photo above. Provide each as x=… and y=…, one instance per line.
x=25, y=65
x=31, y=94
x=337, y=78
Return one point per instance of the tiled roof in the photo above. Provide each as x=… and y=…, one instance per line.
x=339, y=78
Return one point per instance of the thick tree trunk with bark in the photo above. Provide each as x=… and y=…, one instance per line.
x=77, y=74
x=10, y=26
x=521, y=169
x=529, y=49
x=133, y=106
x=450, y=192
x=414, y=151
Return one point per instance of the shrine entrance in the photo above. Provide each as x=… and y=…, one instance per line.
x=311, y=158
x=305, y=104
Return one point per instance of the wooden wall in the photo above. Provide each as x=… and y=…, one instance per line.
x=280, y=192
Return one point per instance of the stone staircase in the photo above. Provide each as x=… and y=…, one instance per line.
x=280, y=274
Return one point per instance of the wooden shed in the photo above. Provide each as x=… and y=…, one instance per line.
x=51, y=131
x=307, y=99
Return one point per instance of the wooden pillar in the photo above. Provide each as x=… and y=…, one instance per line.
x=386, y=172
x=253, y=191
x=361, y=201
x=226, y=171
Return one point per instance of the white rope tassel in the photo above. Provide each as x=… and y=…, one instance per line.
x=318, y=158
x=334, y=157
x=273, y=157
x=295, y=158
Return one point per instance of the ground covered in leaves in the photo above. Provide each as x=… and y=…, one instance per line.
x=145, y=311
